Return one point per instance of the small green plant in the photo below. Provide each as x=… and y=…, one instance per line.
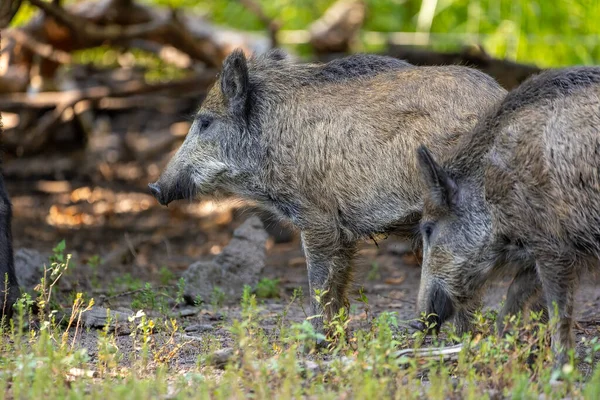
x=374, y=273
x=146, y=298
x=267, y=288
x=166, y=276
x=108, y=350
x=217, y=298
x=79, y=307
x=59, y=264
x=145, y=328
x=198, y=300
x=180, y=291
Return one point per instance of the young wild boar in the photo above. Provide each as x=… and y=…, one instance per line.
x=9, y=287
x=519, y=195
x=328, y=147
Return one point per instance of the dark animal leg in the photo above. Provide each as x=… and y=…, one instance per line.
x=526, y=288
x=329, y=272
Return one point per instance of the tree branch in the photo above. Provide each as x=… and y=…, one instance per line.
x=8, y=10
x=17, y=101
x=45, y=50
x=91, y=31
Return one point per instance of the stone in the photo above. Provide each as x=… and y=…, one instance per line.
x=240, y=263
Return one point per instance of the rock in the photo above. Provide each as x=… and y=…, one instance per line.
x=29, y=267
x=220, y=358
x=239, y=263
x=200, y=328
x=188, y=312
x=312, y=367
x=98, y=317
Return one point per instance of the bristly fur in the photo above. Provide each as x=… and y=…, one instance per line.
x=328, y=147
x=7, y=268
x=528, y=178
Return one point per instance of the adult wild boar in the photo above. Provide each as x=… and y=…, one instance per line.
x=519, y=195
x=9, y=287
x=329, y=147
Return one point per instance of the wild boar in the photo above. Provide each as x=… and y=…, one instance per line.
x=9, y=287
x=520, y=195
x=328, y=147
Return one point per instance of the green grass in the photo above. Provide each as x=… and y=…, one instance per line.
x=267, y=288
x=42, y=357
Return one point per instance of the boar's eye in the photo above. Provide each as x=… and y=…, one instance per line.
x=204, y=122
x=427, y=229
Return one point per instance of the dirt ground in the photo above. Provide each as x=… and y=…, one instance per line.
x=125, y=226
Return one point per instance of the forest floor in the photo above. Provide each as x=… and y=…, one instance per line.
x=144, y=248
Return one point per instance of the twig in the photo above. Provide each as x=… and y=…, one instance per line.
x=190, y=338
x=43, y=49
x=130, y=292
x=448, y=353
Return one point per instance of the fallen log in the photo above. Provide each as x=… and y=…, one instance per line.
x=336, y=30
x=508, y=73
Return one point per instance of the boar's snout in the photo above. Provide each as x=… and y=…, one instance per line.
x=166, y=196
x=157, y=193
x=440, y=307
x=155, y=190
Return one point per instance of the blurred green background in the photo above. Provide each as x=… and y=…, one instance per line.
x=548, y=33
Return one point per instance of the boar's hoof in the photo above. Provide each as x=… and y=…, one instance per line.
x=418, y=325
x=317, y=345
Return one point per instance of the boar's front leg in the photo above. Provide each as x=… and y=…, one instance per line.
x=9, y=290
x=526, y=288
x=559, y=279
x=463, y=320
x=329, y=262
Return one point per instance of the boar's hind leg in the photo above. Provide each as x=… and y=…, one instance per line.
x=8, y=280
x=559, y=279
x=329, y=271
x=526, y=288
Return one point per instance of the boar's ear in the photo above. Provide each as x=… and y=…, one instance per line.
x=235, y=83
x=443, y=189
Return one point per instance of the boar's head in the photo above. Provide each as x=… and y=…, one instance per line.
x=218, y=150
x=456, y=233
